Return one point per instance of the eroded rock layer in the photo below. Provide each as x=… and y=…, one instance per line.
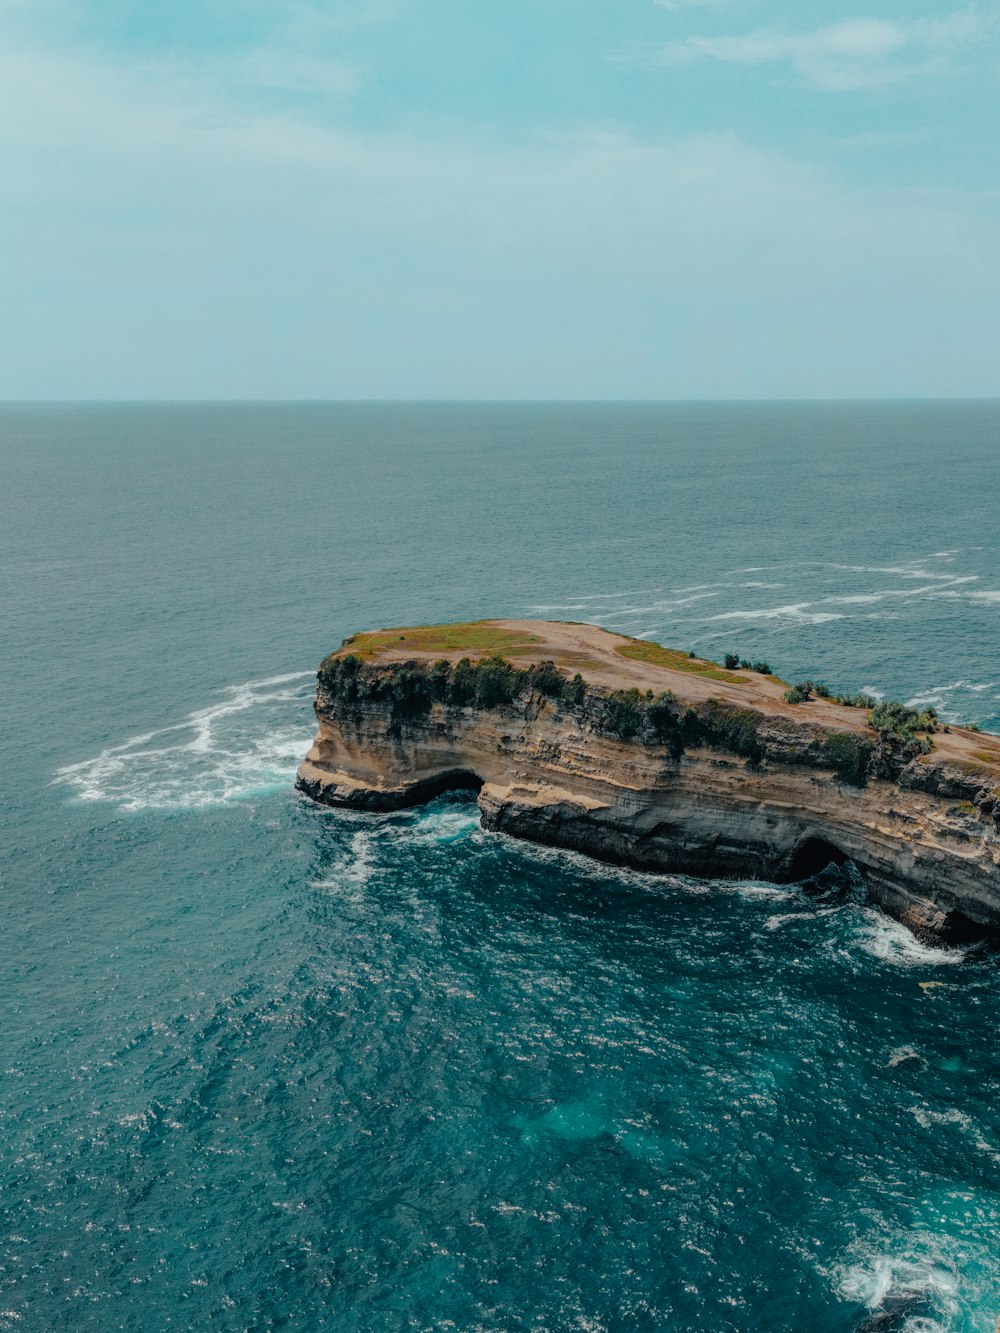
x=707, y=777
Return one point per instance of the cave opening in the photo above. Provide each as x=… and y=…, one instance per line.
x=813, y=856
x=456, y=780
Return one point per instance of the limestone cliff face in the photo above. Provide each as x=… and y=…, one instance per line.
x=926, y=841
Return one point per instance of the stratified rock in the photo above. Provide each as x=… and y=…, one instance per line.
x=657, y=764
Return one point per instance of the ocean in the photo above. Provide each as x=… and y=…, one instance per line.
x=272, y=1066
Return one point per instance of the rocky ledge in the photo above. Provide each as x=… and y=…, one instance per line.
x=645, y=757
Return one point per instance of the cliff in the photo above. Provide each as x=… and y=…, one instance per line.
x=645, y=757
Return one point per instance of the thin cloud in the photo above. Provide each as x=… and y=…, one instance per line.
x=858, y=53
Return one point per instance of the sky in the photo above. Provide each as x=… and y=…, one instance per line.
x=555, y=199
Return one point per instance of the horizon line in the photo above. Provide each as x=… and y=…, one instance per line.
x=491, y=402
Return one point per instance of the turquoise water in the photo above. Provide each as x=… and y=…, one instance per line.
x=270, y=1066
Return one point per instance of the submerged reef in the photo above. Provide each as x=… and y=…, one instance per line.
x=651, y=758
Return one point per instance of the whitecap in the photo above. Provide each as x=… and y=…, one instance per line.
x=928, y=1119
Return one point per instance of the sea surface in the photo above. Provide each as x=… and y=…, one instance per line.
x=270, y=1066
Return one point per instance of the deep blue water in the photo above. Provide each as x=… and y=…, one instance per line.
x=270, y=1066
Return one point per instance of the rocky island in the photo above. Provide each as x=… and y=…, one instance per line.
x=651, y=758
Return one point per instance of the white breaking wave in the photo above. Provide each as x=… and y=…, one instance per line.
x=248, y=743
x=446, y=824
x=891, y=941
x=883, y=1279
x=926, y=1280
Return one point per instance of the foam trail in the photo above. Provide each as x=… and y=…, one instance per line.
x=248, y=743
x=795, y=612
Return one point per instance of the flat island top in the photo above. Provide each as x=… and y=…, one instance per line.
x=622, y=663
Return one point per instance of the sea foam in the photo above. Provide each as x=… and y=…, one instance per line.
x=248, y=743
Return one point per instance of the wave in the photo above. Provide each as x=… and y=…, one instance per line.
x=922, y=1293
x=247, y=744
x=442, y=823
x=923, y=1280
x=890, y=941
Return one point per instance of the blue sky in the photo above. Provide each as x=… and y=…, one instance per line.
x=540, y=199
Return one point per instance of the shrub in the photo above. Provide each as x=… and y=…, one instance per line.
x=665, y=723
x=822, y=691
x=799, y=694
x=409, y=692
x=624, y=714
x=855, y=700
x=719, y=724
x=898, y=728
x=573, y=691
x=496, y=681
x=463, y=683
x=440, y=679
x=546, y=679
x=731, y=661
x=850, y=755
x=892, y=718
x=763, y=668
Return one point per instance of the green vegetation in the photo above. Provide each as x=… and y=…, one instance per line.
x=733, y=660
x=807, y=689
x=850, y=755
x=892, y=718
x=726, y=727
x=899, y=739
x=641, y=650
x=855, y=700
x=411, y=688
x=624, y=714
x=475, y=636
x=799, y=694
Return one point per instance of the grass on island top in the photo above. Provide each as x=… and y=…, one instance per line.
x=483, y=637
x=641, y=650
x=472, y=636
